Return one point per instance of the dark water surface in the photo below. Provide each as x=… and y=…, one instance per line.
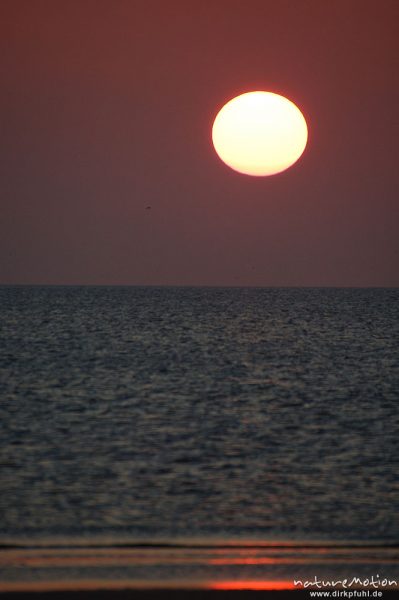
x=178, y=413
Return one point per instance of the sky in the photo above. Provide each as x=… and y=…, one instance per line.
x=107, y=108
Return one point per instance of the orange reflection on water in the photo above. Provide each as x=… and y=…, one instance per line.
x=263, y=560
x=252, y=585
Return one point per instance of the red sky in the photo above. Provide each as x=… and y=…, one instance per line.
x=107, y=108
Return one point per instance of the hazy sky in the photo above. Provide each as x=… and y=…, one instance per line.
x=107, y=108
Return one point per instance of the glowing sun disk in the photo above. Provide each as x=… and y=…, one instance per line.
x=259, y=133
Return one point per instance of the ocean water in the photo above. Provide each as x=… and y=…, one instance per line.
x=134, y=416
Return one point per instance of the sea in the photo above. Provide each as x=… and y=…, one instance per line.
x=198, y=437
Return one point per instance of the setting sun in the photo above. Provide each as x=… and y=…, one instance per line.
x=259, y=133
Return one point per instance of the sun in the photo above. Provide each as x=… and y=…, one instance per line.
x=259, y=133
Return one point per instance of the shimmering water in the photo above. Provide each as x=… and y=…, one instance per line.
x=162, y=413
